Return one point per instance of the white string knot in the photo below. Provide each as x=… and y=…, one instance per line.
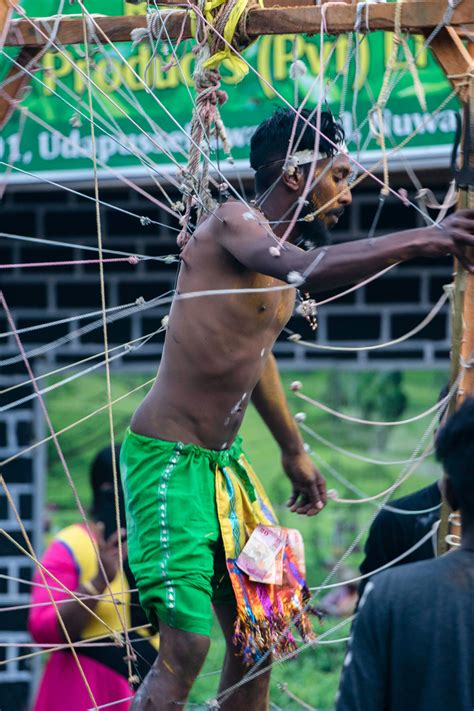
x=297, y=69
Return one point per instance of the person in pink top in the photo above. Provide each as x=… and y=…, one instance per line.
x=71, y=559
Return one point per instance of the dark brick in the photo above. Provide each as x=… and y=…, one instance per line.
x=394, y=290
x=8, y=548
x=300, y=325
x=14, y=620
x=70, y=223
x=18, y=393
x=42, y=335
x=121, y=225
x=3, y=434
x=19, y=222
x=7, y=255
x=24, y=432
x=117, y=332
x=393, y=217
x=31, y=294
x=41, y=197
x=403, y=323
x=26, y=506
x=3, y=507
x=3, y=582
x=14, y=695
x=443, y=353
x=131, y=290
x=79, y=295
x=17, y=368
x=436, y=286
x=353, y=328
x=346, y=299
x=19, y=471
x=25, y=572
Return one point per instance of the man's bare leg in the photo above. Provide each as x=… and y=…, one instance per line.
x=253, y=695
x=169, y=681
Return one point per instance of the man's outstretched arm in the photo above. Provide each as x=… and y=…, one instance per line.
x=309, y=488
x=247, y=236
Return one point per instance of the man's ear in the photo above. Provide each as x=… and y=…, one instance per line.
x=449, y=493
x=293, y=178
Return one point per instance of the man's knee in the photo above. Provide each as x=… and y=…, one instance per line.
x=183, y=654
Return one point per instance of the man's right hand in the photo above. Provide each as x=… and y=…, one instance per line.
x=454, y=235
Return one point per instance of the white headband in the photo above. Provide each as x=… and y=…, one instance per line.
x=307, y=156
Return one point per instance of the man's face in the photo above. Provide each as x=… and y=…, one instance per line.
x=331, y=192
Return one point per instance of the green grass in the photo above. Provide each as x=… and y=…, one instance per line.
x=314, y=674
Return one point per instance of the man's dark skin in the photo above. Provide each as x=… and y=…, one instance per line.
x=217, y=357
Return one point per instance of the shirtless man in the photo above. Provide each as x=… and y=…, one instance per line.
x=182, y=442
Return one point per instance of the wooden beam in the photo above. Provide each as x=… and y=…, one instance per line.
x=6, y=9
x=340, y=18
x=16, y=81
x=462, y=319
x=453, y=57
x=466, y=386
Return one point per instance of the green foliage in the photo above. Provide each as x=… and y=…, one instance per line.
x=314, y=674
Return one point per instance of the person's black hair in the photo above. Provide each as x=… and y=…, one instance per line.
x=102, y=472
x=455, y=450
x=269, y=143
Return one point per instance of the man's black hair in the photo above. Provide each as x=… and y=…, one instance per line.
x=270, y=141
x=455, y=450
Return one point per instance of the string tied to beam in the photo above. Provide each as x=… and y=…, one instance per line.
x=206, y=123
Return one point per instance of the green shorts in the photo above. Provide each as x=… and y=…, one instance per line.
x=175, y=546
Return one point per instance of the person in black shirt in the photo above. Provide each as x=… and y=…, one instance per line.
x=392, y=533
x=412, y=645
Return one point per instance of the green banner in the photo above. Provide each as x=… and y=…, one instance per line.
x=142, y=107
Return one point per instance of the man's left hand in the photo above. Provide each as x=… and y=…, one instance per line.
x=309, y=487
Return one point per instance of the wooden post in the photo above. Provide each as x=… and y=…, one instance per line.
x=462, y=311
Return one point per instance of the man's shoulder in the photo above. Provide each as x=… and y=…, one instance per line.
x=418, y=500
x=236, y=214
x=399, y=580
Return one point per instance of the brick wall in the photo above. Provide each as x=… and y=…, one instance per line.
x=19, y=427
x=381, y=311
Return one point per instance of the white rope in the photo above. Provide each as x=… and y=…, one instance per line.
x=360, y=457
x=376, y=423
x=316, y=346
x=431, y=533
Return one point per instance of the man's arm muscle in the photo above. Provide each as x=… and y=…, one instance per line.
x=250, y=239
x=309, y=487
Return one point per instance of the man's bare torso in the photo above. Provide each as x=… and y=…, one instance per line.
x=215, y=348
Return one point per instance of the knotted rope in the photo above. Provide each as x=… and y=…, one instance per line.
x=229, y=19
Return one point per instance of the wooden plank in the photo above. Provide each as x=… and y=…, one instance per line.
x=466, y=386
x=15, y=82
x=462, y=328
x=453, y=57
x=6, y=9
x=340, y=18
